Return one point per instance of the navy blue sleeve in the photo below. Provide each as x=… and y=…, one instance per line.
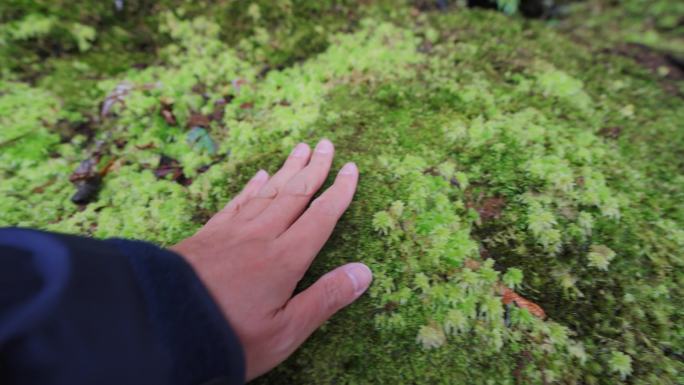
x=76, y=311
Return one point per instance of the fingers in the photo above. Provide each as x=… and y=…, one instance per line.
x=298, y=159
x=298, y=191
x=311, y=308
x=305, y=238
x=252, y=187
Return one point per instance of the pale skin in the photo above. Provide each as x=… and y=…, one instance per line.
x=251, y=255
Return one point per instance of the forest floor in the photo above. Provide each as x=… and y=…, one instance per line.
x=545, y=156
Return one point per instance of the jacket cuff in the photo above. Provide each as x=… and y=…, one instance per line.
x=188, y=322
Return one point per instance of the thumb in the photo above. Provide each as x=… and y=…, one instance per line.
x=332, y=292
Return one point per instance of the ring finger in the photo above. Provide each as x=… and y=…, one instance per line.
x=298, y=159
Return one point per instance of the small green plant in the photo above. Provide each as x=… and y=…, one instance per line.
x=600, y=256
x=621, y=363
x=508, y=7
x=513, y=277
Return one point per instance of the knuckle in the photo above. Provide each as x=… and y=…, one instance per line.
x=333, y=294
x=234, y=207
x=295, y=162
x=326, y=207
x=299, y=187
x=240, y=206
x=231, y=209
x=268, y=192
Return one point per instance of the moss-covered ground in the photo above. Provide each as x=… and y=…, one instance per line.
x=494, y=151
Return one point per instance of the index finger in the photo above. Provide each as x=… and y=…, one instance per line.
x=305, y=238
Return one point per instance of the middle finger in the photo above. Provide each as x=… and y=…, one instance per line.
x=298, y=191
x=297, y=160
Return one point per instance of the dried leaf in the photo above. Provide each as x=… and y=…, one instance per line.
x=611, y=132
x=491, y=208
x=168, y=166
x=86, y=169
x=87, y=178
x=167, y=111
x=219, y=110
x=238, y=83
x=508, y=296
x=86, y=190
x=116, y=96
x=198, y=120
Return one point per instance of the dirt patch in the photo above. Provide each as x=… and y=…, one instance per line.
x=491, y=208
x=664, y=64
x=612, y=132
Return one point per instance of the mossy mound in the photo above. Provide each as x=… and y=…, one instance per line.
x=494, y=152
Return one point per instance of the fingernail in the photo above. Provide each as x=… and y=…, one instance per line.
x=360, y=276
x=324, y=147
x=300, y=150
x=348, y=169
x=260, y=176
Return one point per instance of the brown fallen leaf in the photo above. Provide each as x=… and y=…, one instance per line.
x=86, y=190
x=509, y=296
x=86, y=169
x=198, y=120
x=238, y=83
x=169, y=166
x=87, y=178
x=41, y=189
x=611, y=132
x=491, y=208
x=167, y=112
x=219, y=110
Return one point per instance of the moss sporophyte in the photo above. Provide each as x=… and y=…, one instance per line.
x=516, y=235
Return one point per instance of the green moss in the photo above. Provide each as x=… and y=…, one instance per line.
x=480, y=140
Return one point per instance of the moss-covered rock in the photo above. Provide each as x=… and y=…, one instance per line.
x=495, y=154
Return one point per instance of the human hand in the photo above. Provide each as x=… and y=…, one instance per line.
x=252, y=253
